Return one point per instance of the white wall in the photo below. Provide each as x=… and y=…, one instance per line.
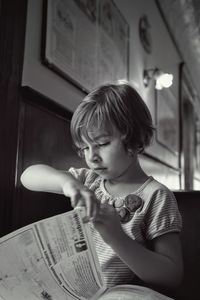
x=164, y=55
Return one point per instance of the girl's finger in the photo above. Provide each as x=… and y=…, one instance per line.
x=89, y=205
x=90, y=202
x=75, y=199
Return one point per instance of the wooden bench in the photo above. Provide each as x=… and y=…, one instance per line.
x=189, y=205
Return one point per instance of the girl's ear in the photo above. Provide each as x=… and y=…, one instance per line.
x=127, y=148
x=140, y=149
x=134, y=151
x=123, y=138
x=130, y=152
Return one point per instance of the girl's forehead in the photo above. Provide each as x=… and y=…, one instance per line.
x=97, y=134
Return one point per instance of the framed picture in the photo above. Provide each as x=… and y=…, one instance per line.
x=85, y=41
x=167, y=120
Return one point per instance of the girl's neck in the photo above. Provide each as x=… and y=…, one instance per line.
x=133, y=174
x=127, y=183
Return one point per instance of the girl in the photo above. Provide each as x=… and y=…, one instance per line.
x=134, y=219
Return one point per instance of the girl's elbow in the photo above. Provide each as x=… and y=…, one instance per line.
x=27, y=179
x=24, y=178
x=178, y=278
x=174, y=276
x=169, y=280
x=174, y=279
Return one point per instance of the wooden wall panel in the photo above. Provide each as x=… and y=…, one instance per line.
x=44, y=137
x=12, y=33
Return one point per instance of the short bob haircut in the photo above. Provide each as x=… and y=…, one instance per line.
x=118, y=106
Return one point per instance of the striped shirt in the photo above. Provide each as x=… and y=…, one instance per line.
x=157, y=215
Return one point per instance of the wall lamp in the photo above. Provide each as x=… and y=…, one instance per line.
x=162, y=80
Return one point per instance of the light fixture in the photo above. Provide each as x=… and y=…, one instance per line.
x=122, y=81
x=162, y=80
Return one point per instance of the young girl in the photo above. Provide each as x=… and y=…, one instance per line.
x=135, y=219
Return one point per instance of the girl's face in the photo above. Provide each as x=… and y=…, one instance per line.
x=106, y=155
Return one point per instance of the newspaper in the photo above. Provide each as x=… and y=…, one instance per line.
x=53, y=259
x=132, y=292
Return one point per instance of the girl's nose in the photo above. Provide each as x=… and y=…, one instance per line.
x=93, y=155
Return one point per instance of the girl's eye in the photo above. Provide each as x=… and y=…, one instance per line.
x=103, y=144
x=84, y=148
x=81, y=152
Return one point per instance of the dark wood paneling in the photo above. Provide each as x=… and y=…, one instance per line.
x=44, y=137
x=12, y=36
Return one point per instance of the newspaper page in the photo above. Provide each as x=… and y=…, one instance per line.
x=132, y=292
x=52, y=259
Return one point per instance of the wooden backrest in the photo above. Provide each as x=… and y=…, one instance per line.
x=189, y=205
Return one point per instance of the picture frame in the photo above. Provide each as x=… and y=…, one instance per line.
x=167, y=120
x=85, y=42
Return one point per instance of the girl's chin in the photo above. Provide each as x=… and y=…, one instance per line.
x=105, y=174
x=101, y=172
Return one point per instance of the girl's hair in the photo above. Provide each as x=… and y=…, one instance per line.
x=118, y=106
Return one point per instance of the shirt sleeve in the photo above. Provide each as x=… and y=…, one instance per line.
x=163, y=215
x=85, y=176
x=80, y=174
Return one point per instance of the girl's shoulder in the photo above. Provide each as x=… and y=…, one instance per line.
x=154, y=185
x=157, y=191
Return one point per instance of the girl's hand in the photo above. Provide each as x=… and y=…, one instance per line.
x=107, y=223
x=80, y=195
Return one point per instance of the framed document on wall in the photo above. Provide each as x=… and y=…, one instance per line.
x=85, y=41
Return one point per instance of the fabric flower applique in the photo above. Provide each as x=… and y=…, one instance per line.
x=127, y=207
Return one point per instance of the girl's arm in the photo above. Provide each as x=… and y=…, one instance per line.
x=160, y=267
x=44, y=178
